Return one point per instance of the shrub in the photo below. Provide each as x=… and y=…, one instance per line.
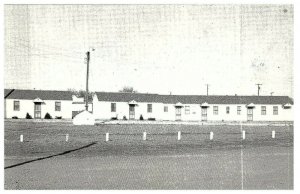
x=141, y=117
x=47, y=116
x=151, y=119
x=28, y=116
x=124, y=117
x=58, y=117
x=14, y=117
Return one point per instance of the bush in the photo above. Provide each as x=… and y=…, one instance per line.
x=114, y=118
x=47, y=116
x=151, y=119
x=141, y=117
x=58, y=117
x=28, y=116
x=124, y=117
x=14, y=117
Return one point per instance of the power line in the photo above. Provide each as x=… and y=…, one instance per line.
x=41, y=53
x=45, y=45
x=45, y=51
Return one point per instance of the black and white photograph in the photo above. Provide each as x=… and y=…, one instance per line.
x=148, y=96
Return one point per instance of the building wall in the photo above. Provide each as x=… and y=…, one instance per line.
x=102, y=110
x=27, y=106
x=284, y=114
x=222, y=115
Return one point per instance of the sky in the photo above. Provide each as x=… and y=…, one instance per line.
x=161, y=49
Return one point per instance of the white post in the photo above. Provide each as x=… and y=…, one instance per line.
x=67, y=137
x=107, y=137
x=21, y=138
x=244, y=134
x=179, y=135
x=144, y=136
x=273, y=134
x=211, y=135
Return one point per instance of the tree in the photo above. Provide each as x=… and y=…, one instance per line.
x=128, y=89
x=81, y=93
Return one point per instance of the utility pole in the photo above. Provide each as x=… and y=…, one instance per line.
x=207, y=89
x=258, y=88
x=87, y=80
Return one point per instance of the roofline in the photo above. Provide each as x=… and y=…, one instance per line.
x=9, y=93
x=127, y=93
x=194, y=95
x=40, y=90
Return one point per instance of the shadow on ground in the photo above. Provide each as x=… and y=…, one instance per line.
x=47, y=157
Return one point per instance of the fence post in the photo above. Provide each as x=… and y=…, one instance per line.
x=179, y=135
x=273, y=134
x=107, y=137
x=211, y=135
x=244, y=135
x=144, y=136
x=21, y=138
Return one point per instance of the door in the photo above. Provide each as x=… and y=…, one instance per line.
x=177, y=113
x=37, y=110
x=249, y=114
x=204, y=114
x=131, y=111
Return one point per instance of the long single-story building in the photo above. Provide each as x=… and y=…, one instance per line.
x=17, y=103
x=134, y=106
x=110, y=105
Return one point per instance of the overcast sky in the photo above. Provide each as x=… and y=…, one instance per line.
x=153, y=48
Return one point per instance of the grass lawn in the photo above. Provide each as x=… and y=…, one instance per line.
x=86, y=161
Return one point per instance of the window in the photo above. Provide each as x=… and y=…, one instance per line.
x=57, y=106
x=227, y=109
x=149, y=108
x=113, y=107
x=263, y=110
x=165, y=108
x=215, y=110
x=275, y=110
x=16, y=105
x=238, y=110
x=187, y=110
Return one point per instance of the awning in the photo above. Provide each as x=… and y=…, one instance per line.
x=205, y=104
x=38, y=100
x=132, y=102
x=178, y=104
x=251, y=105
x=288, y=105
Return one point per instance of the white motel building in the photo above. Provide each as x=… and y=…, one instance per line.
x=133, y=106
x=17, y=103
